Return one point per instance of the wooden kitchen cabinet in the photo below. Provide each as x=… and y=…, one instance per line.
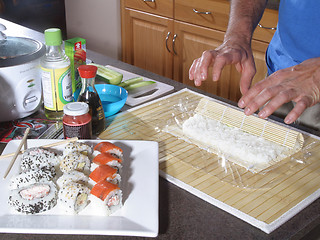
x=165, y=36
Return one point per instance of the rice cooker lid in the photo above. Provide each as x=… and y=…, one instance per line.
x=19, y=50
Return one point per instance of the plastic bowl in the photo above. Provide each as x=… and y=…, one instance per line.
x=112, y=98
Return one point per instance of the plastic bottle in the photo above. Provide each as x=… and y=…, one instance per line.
x=89, y=95
x=56, y=75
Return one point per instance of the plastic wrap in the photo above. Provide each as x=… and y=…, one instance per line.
x=217, y=163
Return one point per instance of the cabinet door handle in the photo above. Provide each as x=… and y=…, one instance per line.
x=149, y=0
x=167, y=42
x=173, y=44
x=271, y=28
x=199, y=12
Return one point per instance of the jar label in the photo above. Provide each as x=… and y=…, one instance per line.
x=56, y=87
x=82, y=131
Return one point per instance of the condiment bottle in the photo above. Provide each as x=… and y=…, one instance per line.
x=56, y=75
x=77, y=121
x=89, y=94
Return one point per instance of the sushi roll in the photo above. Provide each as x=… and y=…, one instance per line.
x=37, y=158
x=72, y=176
x=109, y=193
x=108, y=147
x=105, y=172
x=35, y=198
x=31, y=177
x=73, y=197
x=108, y=159
x=75, y=161
x=77, y=147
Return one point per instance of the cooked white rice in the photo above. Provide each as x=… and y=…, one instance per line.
x=72, y=176
x=229, y=141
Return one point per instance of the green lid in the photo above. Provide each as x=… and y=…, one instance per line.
x=53, y=37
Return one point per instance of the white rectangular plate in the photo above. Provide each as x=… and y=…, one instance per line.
x=140, y=186
x=155, y=90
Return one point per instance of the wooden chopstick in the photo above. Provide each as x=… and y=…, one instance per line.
x=44, y=146
x=24, y=139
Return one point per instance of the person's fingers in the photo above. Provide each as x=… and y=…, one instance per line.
x=295, y=113
x=247, y=75
x=192, y=69
x=218, y=65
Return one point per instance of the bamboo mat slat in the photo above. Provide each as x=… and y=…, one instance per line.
x=266, y=199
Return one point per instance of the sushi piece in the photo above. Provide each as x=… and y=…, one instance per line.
x=77, y=147
x=109, y=193
x=37, y=158
x=31, y=177
x=73, y=197
x=35, y=198
x=108, y=147
x=109, y=159
x=72, y=176
x=75, y=161
x=105, y=172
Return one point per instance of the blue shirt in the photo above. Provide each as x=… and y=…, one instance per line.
x=297, y=37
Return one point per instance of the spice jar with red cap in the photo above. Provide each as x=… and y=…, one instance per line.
x=89, y=95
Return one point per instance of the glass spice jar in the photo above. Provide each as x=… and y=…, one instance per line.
x=77, y=121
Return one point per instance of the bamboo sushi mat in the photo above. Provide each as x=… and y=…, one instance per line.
x=266, y=199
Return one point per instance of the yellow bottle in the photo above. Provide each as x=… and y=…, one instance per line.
x=56, y=76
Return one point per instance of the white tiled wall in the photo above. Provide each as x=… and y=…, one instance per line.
x=98, y=21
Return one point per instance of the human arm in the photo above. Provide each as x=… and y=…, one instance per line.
x=300, y=84
x=236, y=47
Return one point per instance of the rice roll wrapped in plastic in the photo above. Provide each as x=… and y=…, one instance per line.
x=75, y=161
x=30, y=177
x=35, y=198
x=72, y=176
x=108, y=159
x=108, y=147
x=77, y=147
x=73, y=197
x=109, y=193
x=105, y=172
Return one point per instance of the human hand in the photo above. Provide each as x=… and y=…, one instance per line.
x=300, y=83
x=235, y=50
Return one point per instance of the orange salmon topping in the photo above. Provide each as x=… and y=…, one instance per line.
x=104, y=158
x=103, y=188
x=106, y=147
x=102, y=172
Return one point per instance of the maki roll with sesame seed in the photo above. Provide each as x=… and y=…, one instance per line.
x=73, y=197
x=35, y=198
x=38, y=158
x=30, y=177
x=75, y=161
x=72, y=176
x=77, y=147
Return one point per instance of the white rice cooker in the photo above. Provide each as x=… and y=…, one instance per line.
x=20, y=76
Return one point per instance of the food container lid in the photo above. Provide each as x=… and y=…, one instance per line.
x=76, y=108
x=53, y=37
x=19, y=50
x=87, y=71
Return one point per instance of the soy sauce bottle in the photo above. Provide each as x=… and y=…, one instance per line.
x=89, y=95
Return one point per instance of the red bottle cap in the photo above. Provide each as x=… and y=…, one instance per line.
x=87, y=71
